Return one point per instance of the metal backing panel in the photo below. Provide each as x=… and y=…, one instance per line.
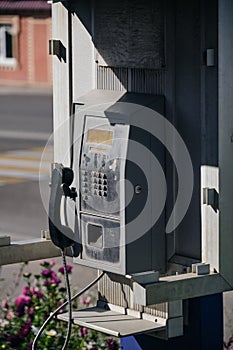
x=129, y=33
x=179, y=287
x=226, y=138
x=61, y=96
x=83, y=63
x=210, y=218
x=187, y=116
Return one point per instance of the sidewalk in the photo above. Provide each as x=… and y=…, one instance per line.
x=25, y=90
x=11, y=285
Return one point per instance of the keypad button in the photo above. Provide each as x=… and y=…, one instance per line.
x=105, y=194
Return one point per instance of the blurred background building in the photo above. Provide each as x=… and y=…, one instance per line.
x=25, y=29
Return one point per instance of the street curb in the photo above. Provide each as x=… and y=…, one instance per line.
x=25, y=90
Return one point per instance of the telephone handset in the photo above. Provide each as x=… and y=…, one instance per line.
x=62, y=178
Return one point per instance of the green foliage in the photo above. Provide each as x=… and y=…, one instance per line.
x=41, y=295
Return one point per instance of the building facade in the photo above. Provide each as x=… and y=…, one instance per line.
x=25, y=29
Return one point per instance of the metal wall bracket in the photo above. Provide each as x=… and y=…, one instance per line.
x=210, y=197
x=34, y=249
x=179, y=287
x=56, y=48
x=5, y=240
x=201, y=269
x=145, y=277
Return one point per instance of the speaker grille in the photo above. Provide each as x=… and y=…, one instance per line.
x=139, y=80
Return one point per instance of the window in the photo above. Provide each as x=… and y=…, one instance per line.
x=8, y=41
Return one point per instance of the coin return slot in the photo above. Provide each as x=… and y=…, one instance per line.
x=95, y=235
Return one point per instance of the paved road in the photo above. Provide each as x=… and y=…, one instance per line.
x=26, y=123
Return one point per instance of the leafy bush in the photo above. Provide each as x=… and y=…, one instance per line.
x=41, y=295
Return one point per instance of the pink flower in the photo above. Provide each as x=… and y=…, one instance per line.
x=29, y=311
x=112, y=344
x=59, y=303
x=52, y=279
x=229, y=344
x=82, y=300
x=85, y=301
x=21, y=302
x=46, y=273
x=44, y=264
x=53, y=275
x=88, y=301
x=36, y=293
x=55, y=280
x=61, y=269
x=52, y=263
x=10, y=315
x=25, y=330
x=82, y=332
x=26, y=290
x=68, y=269
x=5, y=304
x=29, y=346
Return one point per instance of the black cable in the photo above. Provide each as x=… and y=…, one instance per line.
x=69, y=328
x=63, y=305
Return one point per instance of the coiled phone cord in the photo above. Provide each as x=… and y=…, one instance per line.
x=69, y=327
x=69, y=301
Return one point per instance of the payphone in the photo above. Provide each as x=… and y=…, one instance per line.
x=113, y=172
x=117, y=184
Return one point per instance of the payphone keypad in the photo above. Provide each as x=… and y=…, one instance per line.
x=94, y=182
x=99, y=183
x=100, y=167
